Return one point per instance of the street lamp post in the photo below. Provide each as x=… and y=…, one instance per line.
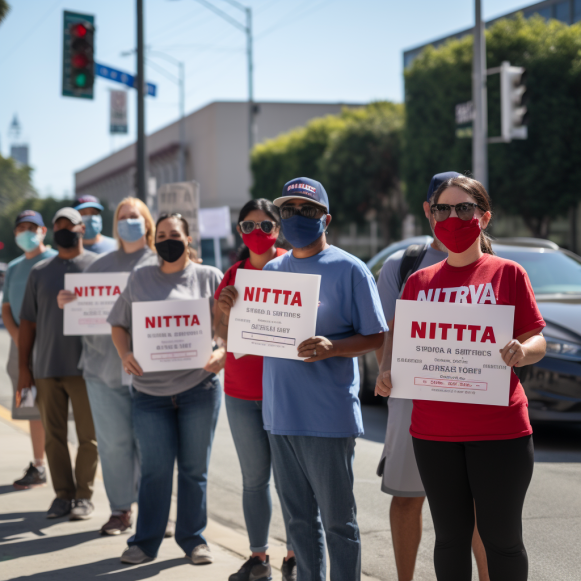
x=247, y=29
x=479, y=98
x=141, y=155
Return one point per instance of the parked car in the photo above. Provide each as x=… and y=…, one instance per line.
x=553, y=385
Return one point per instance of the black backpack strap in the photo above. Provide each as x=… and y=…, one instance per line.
x=411, y=260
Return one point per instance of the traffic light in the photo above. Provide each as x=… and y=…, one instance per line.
x=513, y=98
x=78, y=55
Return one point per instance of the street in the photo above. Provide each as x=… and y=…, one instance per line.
x=34, y=548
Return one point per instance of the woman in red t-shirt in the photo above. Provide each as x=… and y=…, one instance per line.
x=259, y=226
x=473, y=455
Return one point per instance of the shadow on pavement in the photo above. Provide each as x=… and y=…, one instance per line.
x=557, y=441
x=24, y=523
x=43, y=544
x=7, y=488
x=108, y=566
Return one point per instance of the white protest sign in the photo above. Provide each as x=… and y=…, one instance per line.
x=274, y=313
x=96, y=294
x=451, y=352
x=184, y=198
x=172, y=335
x=215, y=222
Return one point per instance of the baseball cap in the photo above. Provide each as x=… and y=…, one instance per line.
x=70, y=214
x=29, y=216
x=304, y=188
x=439, y=179
x=88, y=202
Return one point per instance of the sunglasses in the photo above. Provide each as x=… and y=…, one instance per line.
x=306, y=211
x=465, y=211
x=248, y=226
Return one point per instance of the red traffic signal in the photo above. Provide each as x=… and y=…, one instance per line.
x=79, y=30
x=82, y=60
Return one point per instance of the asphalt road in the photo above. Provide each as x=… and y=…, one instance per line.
x=552, y=514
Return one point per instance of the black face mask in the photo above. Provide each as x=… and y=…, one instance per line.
x=66, y=238
x=170, y=250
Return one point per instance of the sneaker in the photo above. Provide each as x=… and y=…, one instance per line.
x=134, y=556
x=81, y=509
x=253, y=570
x=201, y=555
x=59, y=507
x=289, y=570
x=33, y=478
x=170, y=529
x=117, y=523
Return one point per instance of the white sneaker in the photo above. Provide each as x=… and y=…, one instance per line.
x=134, y=556
x=201, y=555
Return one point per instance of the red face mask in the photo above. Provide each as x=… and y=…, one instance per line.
x=258, y=241
x=457, y=235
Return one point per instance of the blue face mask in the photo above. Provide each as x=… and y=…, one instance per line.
x=28, y=240
x=301, y=231
x=131, y=230
x=93, y=226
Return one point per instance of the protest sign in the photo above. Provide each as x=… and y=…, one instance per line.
x=172, y=335
x=274, y=313
x=451, y=352
x=96, y=294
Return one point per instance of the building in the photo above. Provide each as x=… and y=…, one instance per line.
x=217, y=155
x=567, y=11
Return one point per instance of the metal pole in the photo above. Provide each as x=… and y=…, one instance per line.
x=217, y=254
x=251, y=111
x=182, y=124
x=141, y=155
x=480, y=127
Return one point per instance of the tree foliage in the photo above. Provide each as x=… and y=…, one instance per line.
x=537, y=178
x=355, y=154
x=4, y=9
x=15, y=182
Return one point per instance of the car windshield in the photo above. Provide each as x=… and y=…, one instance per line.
x=550, y=272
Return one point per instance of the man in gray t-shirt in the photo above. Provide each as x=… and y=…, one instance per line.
x=55, y=372
x=398, y=468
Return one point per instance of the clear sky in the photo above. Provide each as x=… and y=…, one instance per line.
x=305, y=50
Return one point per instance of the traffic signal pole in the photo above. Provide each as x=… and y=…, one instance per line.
x=479, y=98
x=141, y=153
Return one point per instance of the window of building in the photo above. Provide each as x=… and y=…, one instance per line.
x=577, y=11
x=544, y=12
x=562, y=12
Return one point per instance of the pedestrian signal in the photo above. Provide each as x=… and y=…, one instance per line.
x=513, y=99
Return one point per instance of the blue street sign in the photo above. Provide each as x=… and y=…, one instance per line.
x=122, y=77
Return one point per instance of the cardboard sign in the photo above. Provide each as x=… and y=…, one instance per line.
x=451, y=352
x=96, y=294
x=274, y=313
x=172, y=335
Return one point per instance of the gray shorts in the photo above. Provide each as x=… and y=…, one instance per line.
x=397, y=467
x=12, y=369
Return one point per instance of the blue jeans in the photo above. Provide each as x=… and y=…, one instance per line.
x=111, y=409
x=253, y=449
x=316, y=474
x=168, y=427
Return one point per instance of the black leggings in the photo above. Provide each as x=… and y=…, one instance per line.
x=493, y=475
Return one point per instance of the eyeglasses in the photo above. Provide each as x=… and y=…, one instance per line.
x=465, y=211
x=248, y=226
x=307, y=211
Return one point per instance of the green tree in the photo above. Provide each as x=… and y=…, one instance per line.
x=15, y=182
x=4, y=9
x=537, y=178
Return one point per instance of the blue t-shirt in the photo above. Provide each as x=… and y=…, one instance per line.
x=15, y=280
x=322, y=398
x=106, y=244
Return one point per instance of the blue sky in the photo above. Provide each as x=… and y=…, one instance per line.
x=305, y=50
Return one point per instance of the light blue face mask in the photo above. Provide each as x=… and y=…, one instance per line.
x=28, y=240
x=93, y=226
x=132, y=229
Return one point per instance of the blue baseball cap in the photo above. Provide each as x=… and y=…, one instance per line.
x=29, y=216
x=88, y=202
x=304, y=188
x=439, y=179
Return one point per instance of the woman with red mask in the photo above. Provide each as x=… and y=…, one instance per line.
x=476, y=456
x=259, y=226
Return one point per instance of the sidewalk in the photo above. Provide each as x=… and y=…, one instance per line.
x=34, y=548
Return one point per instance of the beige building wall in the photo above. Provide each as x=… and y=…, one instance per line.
x=217, y=152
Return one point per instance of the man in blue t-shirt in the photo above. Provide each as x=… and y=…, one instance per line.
x=90, y=209
x=311, y=408
x=29, y=232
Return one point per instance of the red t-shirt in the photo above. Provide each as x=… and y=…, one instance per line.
x=489, y=280
x=242, y=377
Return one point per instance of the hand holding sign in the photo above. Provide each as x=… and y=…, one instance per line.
x=227, y=299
